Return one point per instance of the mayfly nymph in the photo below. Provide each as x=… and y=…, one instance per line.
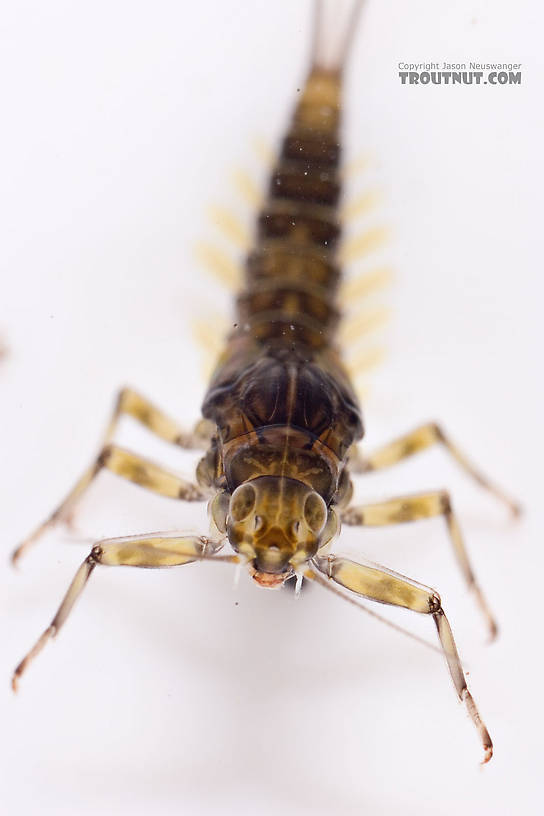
x=281, y=420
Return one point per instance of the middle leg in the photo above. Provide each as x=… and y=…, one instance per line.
x=422, y=506
x=129, y=466
x=128, y=403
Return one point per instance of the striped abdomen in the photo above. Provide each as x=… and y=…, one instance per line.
x=280, y=397
x=291, y=276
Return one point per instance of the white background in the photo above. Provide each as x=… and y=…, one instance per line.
x=168, y=691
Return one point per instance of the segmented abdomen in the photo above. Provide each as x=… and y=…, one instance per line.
x=292, y=277
x=281, y=368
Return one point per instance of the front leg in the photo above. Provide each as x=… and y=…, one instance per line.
x=416, y=441
x=156, y=550
x=412, y=508
x=388, y=587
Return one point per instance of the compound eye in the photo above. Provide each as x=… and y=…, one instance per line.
x=219, y=507
x=315, y=512
x=242, y=502
x=331, y=528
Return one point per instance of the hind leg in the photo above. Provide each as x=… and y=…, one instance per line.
x=418, y=440
x=130, y=403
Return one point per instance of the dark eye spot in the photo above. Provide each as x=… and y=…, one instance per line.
x=242, y=502
x=315, y=512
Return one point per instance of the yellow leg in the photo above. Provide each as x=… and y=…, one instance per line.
x=134, y=551
x=422, y=506
x=388, y=587
x=129, y=403
x=127, y=465
x=418, y=440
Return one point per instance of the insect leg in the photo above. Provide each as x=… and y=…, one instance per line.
x=388, y=587
x=418, y=440
x=155, y=550
x=422, y=506
x=133, y=404
x=128, y=465
x=140, y=408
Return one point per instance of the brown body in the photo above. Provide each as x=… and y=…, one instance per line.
x=280, y=398
x=282, y=419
